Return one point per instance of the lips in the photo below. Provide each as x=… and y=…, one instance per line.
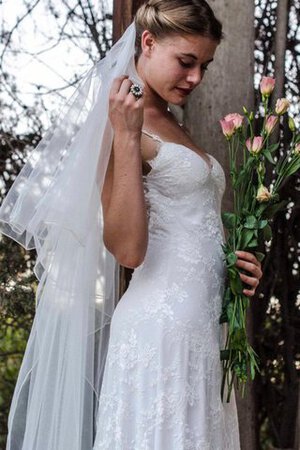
x=184, y=91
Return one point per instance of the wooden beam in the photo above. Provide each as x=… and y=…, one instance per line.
x=123, y=13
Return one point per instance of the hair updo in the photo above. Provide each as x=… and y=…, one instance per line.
x=163, y=17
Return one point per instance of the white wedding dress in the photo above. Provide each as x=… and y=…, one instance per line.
x=161, y=385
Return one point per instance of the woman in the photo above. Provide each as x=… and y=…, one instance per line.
x=161, y=199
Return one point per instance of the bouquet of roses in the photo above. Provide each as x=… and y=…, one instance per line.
x=255, y=204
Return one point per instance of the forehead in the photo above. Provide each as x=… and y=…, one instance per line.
x=197, y=45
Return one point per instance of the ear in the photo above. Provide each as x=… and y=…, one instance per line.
x=147, y=43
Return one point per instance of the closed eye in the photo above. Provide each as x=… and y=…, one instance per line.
x=188, y=65
x=185, y=64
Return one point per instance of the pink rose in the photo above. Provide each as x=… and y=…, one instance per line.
x=263, y=194
x=256, y=145
x=267, y=85
x=271, y=124
x=282, y=105
x=236, y=118
x=228, y=128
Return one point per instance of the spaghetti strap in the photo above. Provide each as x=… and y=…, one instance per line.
x=152, y=136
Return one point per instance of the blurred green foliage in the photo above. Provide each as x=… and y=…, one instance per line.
x=17, y=307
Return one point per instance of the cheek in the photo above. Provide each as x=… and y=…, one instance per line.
x=168, y=75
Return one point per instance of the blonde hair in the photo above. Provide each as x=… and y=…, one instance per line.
x=163, y=17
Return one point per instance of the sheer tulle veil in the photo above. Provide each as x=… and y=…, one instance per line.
x=54, y=206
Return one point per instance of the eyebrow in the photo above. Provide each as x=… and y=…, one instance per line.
x=191, y=55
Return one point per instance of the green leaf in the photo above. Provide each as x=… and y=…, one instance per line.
x=270, y=212
x=293, y=168
x=227, y=296
x=232, y=322
x=273, y=147
x=269, y=157
x=236, y=285
x=229, y=220
x=246, y=237
x=260, y=256
x=262, y=207
x=253, y=243
x=231, y=259
x=267, y=233
x=251, y=222
x=262, y=224
x=231, y=271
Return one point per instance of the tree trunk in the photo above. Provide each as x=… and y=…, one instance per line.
x=227, y=87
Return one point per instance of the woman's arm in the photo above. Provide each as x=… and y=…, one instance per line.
x=124, y=207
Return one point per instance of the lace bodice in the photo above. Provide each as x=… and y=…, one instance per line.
x=184, y=193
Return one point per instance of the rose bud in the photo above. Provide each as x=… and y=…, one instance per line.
x=261, y=169
x=297, y=149
x=263, y=194
x=236, y=118
x=228, y=128
x=256, y=145
x=271, y=124
x=267, y=85
x=292, y=125
x=282, y=105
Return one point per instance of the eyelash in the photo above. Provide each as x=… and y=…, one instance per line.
x=188, y=65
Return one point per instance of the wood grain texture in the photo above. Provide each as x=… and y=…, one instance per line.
x=123, y=13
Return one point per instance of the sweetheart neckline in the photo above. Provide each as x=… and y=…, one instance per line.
x=162, y=142
x=188, y=149
x=210, y=165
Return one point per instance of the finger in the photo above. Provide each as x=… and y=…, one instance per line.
x=125, y=88
x=248, y=257
x=249, y=292
x=251, y=281
x=249, y=267
x=116, y=84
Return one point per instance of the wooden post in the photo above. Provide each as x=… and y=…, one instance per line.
x=123, y=13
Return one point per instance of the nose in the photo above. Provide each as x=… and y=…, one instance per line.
x=195, y=75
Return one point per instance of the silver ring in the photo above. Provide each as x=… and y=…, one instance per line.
x=136, y=90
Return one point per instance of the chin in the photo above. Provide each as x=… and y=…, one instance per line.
x=180, y=101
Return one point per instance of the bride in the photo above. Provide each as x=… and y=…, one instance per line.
x=161, y=202
x=159, y=371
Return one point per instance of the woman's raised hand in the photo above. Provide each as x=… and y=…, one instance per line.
x=126, y=112
x=249, y=263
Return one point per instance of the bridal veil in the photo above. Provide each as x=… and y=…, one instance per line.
x=54, y=206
